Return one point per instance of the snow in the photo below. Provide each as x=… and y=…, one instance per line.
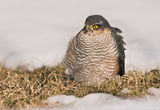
x=154, y=91
x=61, y=100
x=101, y=101
x=125, y=91
x=36, y=32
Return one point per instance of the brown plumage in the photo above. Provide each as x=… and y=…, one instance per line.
x=95, y=53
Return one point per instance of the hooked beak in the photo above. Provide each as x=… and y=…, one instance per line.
x=87, y=29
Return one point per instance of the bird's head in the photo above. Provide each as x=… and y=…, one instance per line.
x=95, y=24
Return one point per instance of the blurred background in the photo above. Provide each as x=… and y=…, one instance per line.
x=36, y=32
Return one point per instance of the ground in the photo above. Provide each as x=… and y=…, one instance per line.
x=21, y=87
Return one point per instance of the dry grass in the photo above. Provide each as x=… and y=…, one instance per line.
x=20, y=87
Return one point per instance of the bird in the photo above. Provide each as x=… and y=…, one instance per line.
x=96, y=53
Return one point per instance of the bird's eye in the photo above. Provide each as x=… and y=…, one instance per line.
x=95, y=27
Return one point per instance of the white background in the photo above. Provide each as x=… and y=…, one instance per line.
x=36, y=32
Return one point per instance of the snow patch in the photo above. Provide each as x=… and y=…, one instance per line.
x=36, y=32
x=154, y=91
x=101, y=101
x=125, y=91
x=61, y=100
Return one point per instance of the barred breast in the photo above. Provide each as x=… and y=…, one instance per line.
x=91, y=59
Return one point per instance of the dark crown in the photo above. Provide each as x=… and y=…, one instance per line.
x=96, y=19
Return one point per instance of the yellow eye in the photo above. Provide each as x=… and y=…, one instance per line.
x=95, y=27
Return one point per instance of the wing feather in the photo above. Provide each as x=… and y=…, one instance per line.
x=120, y=44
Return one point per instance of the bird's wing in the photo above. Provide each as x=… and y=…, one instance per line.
x=117, y=30
x=120, y=44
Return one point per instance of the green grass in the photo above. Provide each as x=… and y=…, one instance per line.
x=21, y=87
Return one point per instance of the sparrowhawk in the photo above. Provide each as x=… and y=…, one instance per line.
x=95, y=53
